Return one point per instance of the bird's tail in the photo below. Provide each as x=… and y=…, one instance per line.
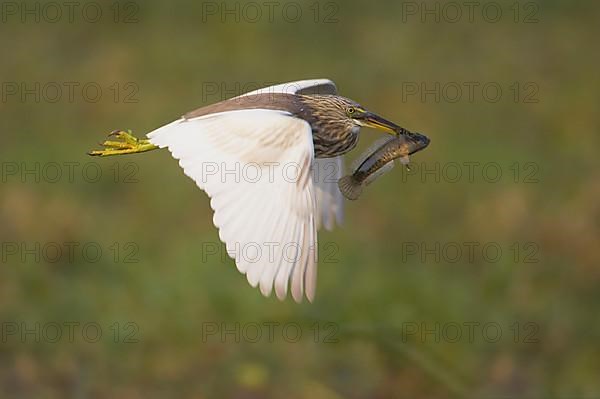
x=350, y=187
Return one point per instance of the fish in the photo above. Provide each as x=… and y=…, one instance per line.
x=379, y=159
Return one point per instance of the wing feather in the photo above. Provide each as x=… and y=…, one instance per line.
x=330, y=202
x=243, y=159
x=308, y=86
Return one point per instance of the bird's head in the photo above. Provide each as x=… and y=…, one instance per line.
x=350, y=111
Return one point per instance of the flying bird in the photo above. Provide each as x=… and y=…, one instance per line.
x=270, y=161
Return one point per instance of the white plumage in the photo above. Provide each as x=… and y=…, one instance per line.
x=268, y=192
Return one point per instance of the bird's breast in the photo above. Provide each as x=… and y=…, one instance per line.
x=332, y=142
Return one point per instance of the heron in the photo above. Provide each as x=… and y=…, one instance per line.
x=270, y=161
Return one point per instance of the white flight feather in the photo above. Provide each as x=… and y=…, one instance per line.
x=264, y=216
x=330, y=202
x=328, y=171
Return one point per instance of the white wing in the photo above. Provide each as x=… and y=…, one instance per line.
x=255, y=166
x=330, y=201
x=309, y=86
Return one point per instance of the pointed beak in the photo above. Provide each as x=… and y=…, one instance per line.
x=377, y=122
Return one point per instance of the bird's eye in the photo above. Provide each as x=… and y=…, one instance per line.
x=351, y=110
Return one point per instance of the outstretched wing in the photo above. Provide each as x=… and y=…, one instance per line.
x=255, y=165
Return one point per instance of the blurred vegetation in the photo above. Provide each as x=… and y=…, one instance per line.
x=370, y=290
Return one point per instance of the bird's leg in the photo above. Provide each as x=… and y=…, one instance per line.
x=127, y=144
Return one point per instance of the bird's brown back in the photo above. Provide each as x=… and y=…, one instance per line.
x=272, y=101
x=332, y=135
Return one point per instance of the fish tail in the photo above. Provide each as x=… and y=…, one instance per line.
x=350, y=187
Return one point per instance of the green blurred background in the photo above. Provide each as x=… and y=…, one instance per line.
x=372, y=290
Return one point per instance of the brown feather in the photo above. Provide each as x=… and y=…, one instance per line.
x=334, y=133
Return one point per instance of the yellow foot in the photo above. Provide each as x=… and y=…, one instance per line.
x=127, y=144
